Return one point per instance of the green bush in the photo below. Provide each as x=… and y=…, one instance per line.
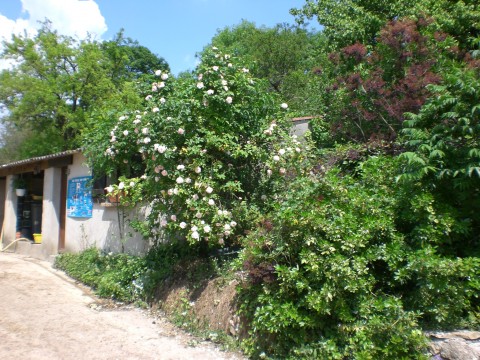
x=133, y=278
x=84, y=267
x=338, y=269
x=118, y=276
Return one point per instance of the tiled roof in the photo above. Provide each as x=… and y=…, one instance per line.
x=39, y=158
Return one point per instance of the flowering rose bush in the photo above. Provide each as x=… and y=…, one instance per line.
x=210, y=145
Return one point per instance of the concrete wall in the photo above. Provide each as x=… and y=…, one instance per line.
x=10, y=211
x=3, y=183
x=51, y=210
x=300, y=127
x=102, y=229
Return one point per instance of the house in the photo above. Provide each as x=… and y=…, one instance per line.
x=61, y=209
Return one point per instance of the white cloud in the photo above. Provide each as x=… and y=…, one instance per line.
x=69, y=17
x=76, y=18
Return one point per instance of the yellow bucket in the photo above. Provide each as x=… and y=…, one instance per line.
x=37, y=238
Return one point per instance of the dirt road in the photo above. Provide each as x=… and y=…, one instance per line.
x=45, y=315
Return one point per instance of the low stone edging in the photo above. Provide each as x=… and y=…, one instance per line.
x=455, y=345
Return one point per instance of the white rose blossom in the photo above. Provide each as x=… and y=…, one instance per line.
x=147, y=140
x=181, y=131
x=281, y=151
x=198, y=169
x=109, y=188
x=207, y=228
x=284, y=106
x=200, y=85
x=155, y=109
x=210, y=91
x=276, y=158
x=211, y=202
x=179, y=180
x=195, y=235
x=158, y=72
x=121, y=185
x=125, y=132
x=229, y=100
x=173, y=218
x=209, y=190
x=164, y=76
x=183, y=225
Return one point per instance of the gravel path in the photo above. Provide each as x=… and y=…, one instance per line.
x=46, y=315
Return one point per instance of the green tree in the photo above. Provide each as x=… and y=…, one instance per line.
x=346, y=22
x=129, y=60
x=56, y=81
x=283, y=55
x=444, y=153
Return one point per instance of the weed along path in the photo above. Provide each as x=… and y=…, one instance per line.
x=45, y=315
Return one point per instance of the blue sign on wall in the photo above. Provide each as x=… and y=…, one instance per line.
x=79, y=197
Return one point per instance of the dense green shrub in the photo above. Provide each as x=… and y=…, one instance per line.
x=131, y=278
x=332, y=274
x=118, y=276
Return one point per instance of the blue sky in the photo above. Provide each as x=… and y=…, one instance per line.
x=173, y=29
